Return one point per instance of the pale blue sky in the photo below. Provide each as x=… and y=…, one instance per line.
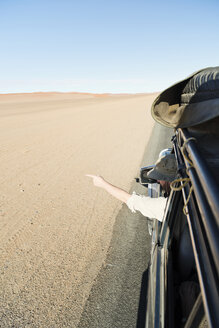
x=104, y=45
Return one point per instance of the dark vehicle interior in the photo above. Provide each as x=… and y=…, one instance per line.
x=183, y=285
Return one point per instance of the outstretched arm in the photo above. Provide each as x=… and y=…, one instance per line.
x=116, y=192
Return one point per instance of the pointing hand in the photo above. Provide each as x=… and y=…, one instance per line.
x=98, y=181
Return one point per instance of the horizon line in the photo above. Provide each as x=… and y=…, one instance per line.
x=78, y=92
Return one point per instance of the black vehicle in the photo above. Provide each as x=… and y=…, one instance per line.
x=183, y=284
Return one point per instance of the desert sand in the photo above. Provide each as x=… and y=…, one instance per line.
x=55, y=226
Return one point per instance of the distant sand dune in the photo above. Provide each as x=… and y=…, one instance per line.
x=55, y=227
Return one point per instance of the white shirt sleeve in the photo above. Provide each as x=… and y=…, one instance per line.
x=149, y=207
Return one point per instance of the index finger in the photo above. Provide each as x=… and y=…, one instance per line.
x=90, y=175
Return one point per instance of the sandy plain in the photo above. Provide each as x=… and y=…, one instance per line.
x=55, y=226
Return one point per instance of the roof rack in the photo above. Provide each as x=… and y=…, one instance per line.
x=202, y=209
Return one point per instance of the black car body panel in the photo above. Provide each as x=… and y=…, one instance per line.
x=184, y=267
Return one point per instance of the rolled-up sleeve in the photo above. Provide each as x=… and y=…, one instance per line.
x=149, y=207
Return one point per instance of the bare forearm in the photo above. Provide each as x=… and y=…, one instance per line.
x=116, y=192
x=111, y=189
